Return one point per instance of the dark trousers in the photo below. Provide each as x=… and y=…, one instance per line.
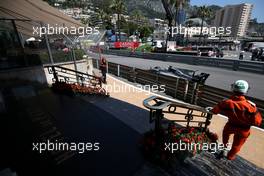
x=103, y=74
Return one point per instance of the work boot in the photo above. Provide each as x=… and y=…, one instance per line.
x=221, y=154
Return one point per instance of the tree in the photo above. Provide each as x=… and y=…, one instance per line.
x=104, y=18
x=137, y=15
x=102, y=4
x=188, y=24
x=179, y=5
x=169, y=16
x=139, y=20
x=101, y=15
x=118, y=7
x=193, y=11
x=214, y=9
x=85, y=21
x=51, y=2
x=145, y=31
x=122, y=23
x=260, y=30
x=131, y=28
x=73, y=3
x=203, y=12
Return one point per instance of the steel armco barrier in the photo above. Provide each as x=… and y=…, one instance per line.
x=237, y=65
x=190, y=92
x=175, y=87
x=210, y=96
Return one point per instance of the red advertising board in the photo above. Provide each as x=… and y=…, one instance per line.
x=126, y=44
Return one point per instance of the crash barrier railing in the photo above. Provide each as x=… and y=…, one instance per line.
x=189, y=115
x=210, y=96
x=62, y=74
x=73, y=81
x=237, y=65
x=176, y=87
x=188, y=91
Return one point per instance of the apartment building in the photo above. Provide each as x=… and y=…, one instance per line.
x=158, y=23
x=235, y=16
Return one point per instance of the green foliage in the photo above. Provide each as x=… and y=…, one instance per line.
x=145, y=48
x=103, y=5
x=104, y=16
x=85, y=21
x=204, y=12
x=260, y=30
x=150, y=13
x=193, y=11
x=136, y=15
x=118, y=6
x=131, y=28
x=79, y=54
x=61, y=56
x=145, y=31
x=51, y=2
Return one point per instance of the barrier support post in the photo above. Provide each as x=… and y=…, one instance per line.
x=118, y=70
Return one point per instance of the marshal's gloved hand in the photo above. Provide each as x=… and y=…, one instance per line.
x=209, y=109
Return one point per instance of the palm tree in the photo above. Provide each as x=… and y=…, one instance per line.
x=105, y=18
x=203, y=12
x=169, y=16
x=85, y=21
x=118, y=7
x=179, y=5
x=137, y=16
x=188, y=24
x=102, y=16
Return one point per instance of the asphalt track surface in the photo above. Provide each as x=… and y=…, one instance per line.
x=220, y=78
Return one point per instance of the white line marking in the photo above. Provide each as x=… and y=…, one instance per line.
x=171, y=99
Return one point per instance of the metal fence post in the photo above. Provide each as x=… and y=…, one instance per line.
x=194, y=93
x=74, y=62
x=48, y=46
x=21, y=45
x=106, y=67
x=235, y=65
x=118, y=70
x=97, y=63
x=157, y=79
x=158, y=118
x=208, y=120
x=186, y=90
x=55, y=74
x=133, y=74
x=176, y=87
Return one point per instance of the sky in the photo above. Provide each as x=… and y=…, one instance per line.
x=258, y=6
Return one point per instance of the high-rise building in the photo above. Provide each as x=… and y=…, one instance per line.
x=235, y=16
